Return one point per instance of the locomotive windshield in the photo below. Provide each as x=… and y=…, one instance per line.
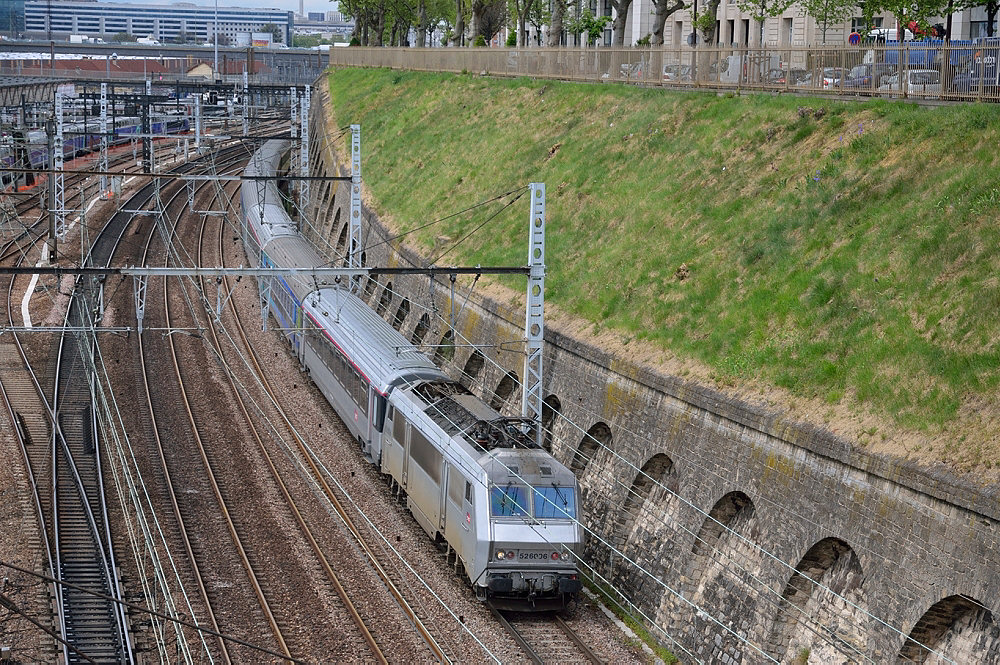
x=508, y=501
x=555, y=502
x=552, y=502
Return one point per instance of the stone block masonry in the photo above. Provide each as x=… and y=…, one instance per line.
x=740, y=536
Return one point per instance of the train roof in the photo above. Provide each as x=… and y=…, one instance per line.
x=377, y=350
x=295, y=250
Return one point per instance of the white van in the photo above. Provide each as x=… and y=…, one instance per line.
x=887, y=35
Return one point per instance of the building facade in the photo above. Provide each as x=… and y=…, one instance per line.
x=57, y=19
x=735, y=28
x=11, y=18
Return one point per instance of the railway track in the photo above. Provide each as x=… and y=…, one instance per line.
x=400, y=588
x=331, y=575
x=38, y=228
x=180, y=451
x=96, y=627
x=546, y=638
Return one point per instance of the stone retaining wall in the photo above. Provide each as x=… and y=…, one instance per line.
x=740, y=535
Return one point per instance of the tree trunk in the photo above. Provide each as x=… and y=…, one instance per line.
x=422, y=24
x=711, y=39
x=456, y=38
x=991, y=16
x=664, y=9
x=556, y=23
x=620, y=23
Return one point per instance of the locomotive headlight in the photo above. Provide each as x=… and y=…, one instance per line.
x=499, y=555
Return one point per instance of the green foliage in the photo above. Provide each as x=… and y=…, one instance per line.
x=825, y=255
x=354, y=42
x=828, y=12
x=124, y=37
x=480, y=41
x=919, y=11
x=705, y=22
x=643, y=41
x=590, y=25
x=610, y=598
x=309, y=41
x=760, y=10
x=512, y=38
x=277, y=33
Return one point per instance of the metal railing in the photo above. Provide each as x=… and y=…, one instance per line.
x=918, y=70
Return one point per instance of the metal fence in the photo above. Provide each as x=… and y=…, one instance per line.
x=918, y=70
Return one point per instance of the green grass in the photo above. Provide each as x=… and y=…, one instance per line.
x=850, y=258
x=610, y=600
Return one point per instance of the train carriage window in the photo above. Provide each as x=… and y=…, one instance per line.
x=425, y=455
x=379, y=420
x=509, y=500
x=555, y=502
x=399, y=429
x=455, y=485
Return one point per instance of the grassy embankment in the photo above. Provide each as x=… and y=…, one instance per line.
x=842, y=262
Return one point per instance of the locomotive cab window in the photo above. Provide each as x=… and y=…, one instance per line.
x=508, y=500
x=555, y=502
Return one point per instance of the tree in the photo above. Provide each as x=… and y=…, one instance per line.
x=618, y=26
x=488, y=18
x=706, y=22
x=519, y=11
x=124, y=37
x=589, y=25
x=761, y=10
x=912, y=11
x=538, y=17
x=181, y=38
x=662, y=9
x=828, y=12
x=556, y=23
x=275, y=31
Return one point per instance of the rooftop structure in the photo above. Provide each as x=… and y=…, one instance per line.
x=58, y=19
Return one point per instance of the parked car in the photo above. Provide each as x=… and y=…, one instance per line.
x=918, y=81
x=783, y=76
x=677, y=73
x=869, y=75
x=980, y=69
x=826, y=78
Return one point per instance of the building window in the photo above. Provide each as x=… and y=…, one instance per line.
x=858, y=24
x=978, y=29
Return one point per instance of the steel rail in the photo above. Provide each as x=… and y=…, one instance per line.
x=338, y=505
x=307, y=532
x=174, y=504
x=580, y=644
x=230, y=525
x=518, y=637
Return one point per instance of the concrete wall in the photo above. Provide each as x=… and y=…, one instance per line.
x=741, y=535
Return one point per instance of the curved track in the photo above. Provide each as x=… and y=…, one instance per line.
x=546, y=638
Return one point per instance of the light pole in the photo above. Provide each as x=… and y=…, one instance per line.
x=216, y=31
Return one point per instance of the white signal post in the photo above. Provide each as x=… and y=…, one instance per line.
x=354, y=225
x=534, y=317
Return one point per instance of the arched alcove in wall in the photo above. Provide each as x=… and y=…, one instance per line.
x=597, y=437
x=384, y=300
x=551, y=407
x=953, y=630
x=473, y=367
x=503, y=396
x=654, y=485
x=399, y=318
x=826, y=576
x=445, y=350
x=420, y=331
